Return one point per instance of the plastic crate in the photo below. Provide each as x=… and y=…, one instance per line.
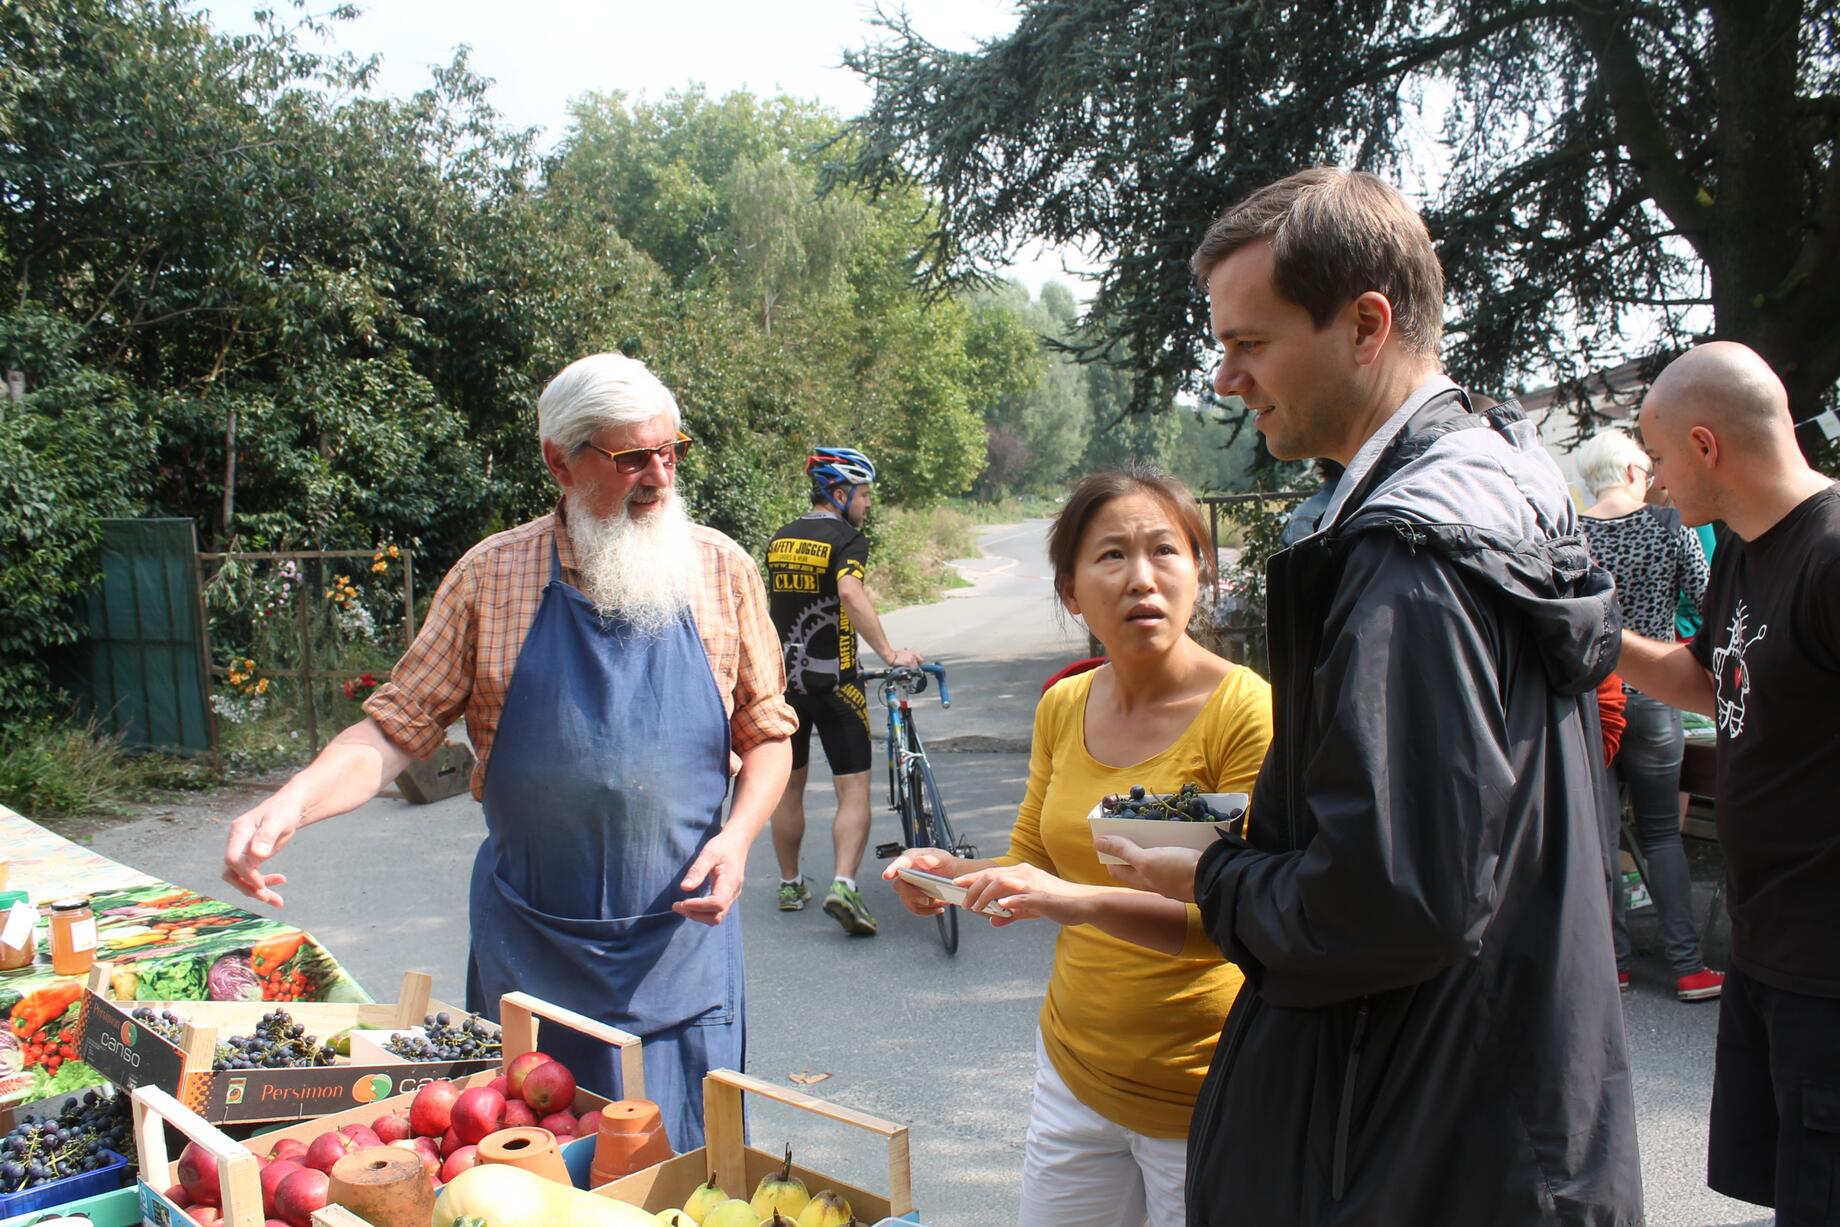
x=105, y=1179
x=121, y=1208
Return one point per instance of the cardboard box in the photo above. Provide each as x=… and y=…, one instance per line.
x=131, y=1056
x=669, y=1184
x=519, y=1014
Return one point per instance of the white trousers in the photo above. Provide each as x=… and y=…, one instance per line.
x=1081, y=1170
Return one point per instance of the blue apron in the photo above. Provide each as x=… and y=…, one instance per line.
x=606, y=779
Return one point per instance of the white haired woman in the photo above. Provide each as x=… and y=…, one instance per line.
x=1655, y=561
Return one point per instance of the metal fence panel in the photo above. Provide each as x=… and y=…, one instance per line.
x=141, y=675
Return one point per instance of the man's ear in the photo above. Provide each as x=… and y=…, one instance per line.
x=1703, y=441
x=1371, y=318
x=554, y=461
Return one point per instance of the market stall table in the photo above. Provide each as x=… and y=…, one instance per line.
x=165, y=944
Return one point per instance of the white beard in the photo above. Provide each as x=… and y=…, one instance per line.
x=639, y=570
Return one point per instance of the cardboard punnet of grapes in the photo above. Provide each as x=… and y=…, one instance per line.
x=1198, y=836
x=519, y=1018
x=131, y=1054
x=668, y=1185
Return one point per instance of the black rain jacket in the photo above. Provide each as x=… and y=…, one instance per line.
x=1430, y=1035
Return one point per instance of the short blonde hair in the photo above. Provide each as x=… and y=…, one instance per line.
x=1604, y=459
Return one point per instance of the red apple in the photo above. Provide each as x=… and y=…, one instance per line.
x=477, y=1113
x=431, y=1110
x=177, y=1196
x=392, y=1127
x=363, y=1135
x=206, y=1216
x=272, y=1176
x=430, y=1159
x=518, y=1070
x=198, y=1173
x=274, y=1222
x=450, y=1142
x=562, y=1124
x=549, y=1088
x=589, y=1124
x=517, y=1113
x=301, y=1194
x=501, y=1085
x=459, y=1161
x=288, y=1148
x=327, y=1149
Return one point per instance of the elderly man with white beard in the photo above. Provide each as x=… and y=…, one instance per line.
x=615, y=665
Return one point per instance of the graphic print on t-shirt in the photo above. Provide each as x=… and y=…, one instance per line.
x=804, y=561
x=1732, y=677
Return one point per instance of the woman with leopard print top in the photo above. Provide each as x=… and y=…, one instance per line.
x=1655, y=560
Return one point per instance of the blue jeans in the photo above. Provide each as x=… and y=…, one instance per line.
x=1648, y=763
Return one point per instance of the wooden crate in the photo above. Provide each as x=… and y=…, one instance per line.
x=519, y=1014
x=669, y=1184
x=130, y=1056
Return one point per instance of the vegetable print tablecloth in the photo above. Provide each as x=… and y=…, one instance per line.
x=165, y=944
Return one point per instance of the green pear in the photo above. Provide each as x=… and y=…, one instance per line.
x=707, y=1197
x=675, y=1218
x=780, y=1191
x=732, y=1213
x=827, y=1209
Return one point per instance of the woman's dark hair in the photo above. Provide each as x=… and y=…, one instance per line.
x=1097, y=489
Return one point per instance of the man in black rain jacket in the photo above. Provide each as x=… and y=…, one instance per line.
x=1431, y=1034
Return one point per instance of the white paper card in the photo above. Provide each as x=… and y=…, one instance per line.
x=1829, y=424
x=83, y=934
x=21, y=919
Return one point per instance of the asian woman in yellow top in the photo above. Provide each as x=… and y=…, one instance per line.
x=1137, y=991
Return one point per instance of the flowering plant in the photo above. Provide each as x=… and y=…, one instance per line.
x=244, y=679
x=360, y=687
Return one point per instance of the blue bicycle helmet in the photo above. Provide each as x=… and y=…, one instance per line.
x=832, y=467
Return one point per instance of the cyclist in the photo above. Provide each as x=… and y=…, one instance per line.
x=815, y=593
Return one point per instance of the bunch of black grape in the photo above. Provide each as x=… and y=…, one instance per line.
x=160, y=1022
x=1185, y=805
x=441, y=1040
x=39, y=1151
x=279, y=1043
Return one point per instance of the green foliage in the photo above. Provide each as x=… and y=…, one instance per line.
x=1612, y=166
x=51, y=769
x=306, y=316
x=909, y=549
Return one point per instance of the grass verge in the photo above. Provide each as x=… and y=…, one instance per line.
x=909, y=549
x=54, y=769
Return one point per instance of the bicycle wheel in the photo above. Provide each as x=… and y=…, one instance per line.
x=928, y=817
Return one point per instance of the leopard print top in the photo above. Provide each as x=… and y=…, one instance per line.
x=1654, y=559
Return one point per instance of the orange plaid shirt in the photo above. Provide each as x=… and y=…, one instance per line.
x=464, y=656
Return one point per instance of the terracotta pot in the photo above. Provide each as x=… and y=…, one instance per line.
x=385, y=1186
x=528, y=1147
x=631, y=1138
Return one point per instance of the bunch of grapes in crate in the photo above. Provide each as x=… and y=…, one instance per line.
x=442, y=1040
x=39, y=1151
x=278, y=1043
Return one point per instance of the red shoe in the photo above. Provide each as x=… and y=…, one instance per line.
x=1702, y=985
x=1622, y=981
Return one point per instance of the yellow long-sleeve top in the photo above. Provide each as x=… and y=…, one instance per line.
x=1131, y=1030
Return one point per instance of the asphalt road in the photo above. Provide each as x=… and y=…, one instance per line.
x=898, y=1029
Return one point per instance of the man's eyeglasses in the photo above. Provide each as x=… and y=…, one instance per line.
x=634, y=459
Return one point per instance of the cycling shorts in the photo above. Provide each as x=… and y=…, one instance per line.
x=841, y=717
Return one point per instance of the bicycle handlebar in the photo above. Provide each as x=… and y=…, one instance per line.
x=914, y=678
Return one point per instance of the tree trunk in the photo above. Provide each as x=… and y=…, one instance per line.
x=223, y=534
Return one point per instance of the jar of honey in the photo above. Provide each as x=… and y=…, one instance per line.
x=18, y=930
x=73, y=937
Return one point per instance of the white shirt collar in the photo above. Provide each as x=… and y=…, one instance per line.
x=1378, y=442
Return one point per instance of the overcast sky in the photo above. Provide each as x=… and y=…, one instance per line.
x=544, y=53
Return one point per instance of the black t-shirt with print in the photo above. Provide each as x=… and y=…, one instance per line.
x=1772, y=643
x=804, y=560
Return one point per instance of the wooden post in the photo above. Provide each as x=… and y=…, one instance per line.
x=408, y=559
x=16, y=386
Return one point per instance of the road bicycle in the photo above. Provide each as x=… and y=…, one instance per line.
x=913, y=793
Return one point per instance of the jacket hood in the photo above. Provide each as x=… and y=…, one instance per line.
x=1481, y=490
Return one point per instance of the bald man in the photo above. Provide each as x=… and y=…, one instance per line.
x=1766, y=666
